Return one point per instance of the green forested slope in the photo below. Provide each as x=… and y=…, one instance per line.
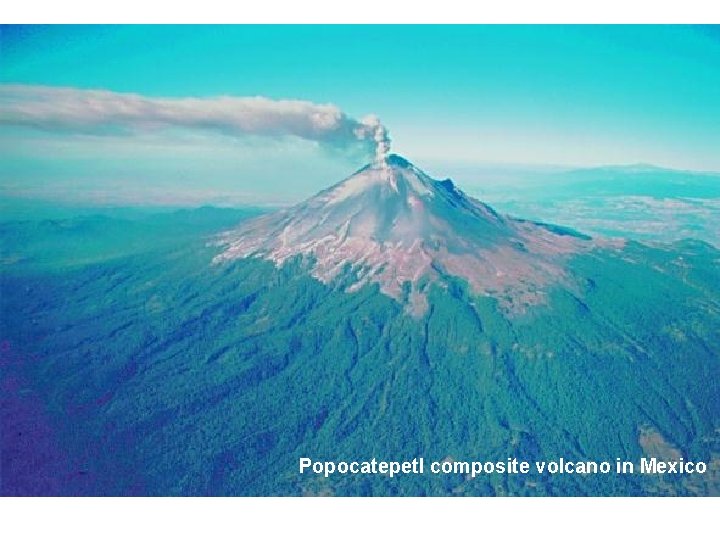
x=159, y=373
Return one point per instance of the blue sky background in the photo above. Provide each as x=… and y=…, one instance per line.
x=540, y=95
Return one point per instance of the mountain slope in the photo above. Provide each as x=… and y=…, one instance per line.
x=391, y=224
x=161, y=373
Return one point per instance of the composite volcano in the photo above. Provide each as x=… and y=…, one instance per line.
x=389, y=317
x=391, y=224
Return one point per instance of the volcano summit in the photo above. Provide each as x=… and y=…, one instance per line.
x=391, y=224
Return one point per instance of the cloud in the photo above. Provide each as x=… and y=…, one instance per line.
x=72, y=110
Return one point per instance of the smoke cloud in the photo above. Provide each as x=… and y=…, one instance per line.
x=73, y=110
x=373, y=128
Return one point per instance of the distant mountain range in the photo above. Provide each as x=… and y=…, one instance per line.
x=639, y=202
x=390, y=316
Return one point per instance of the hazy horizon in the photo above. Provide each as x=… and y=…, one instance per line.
x=270, y=115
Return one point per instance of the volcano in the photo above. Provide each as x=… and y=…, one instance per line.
x=391, y=224
x=389, y=318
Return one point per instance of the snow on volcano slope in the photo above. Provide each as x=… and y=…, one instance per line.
x=393, y=224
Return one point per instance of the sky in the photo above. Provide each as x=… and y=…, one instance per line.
x=270, y=114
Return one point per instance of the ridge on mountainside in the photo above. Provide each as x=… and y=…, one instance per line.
x=391, y=224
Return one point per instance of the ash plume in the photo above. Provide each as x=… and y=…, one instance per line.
x=73, y=110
